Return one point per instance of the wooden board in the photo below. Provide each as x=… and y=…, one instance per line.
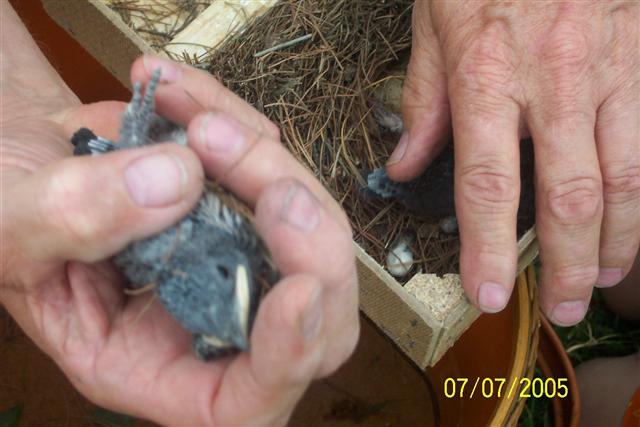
x=101, y=32
x=410, y=324
x=217, y=22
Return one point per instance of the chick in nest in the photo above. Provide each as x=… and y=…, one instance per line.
x=431, y=194
x=211, y=268
x=400, y=257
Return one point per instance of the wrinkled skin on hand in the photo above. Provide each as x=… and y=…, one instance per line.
x=62, y=216
x=565, y=73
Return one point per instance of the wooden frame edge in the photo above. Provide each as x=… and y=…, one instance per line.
x=101, y=32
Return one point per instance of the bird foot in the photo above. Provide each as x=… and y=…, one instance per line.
x=139, y=114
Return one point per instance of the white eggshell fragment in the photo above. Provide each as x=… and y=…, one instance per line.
x=449, y=225
x=400, y=259
x=387, y=119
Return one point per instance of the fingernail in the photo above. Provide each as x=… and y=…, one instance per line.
x=170, y=70
x=492, y=297
x=300, y=209
x=313, y=316
x=219, y=134
x=568, y=313
x=156, y=180
x=400, y=149
x=609, y=277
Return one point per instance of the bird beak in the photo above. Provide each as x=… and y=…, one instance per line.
x=243, y=304
x=241, y=342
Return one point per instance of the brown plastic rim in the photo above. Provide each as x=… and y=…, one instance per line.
x=510, y=409
x=502, y=345
x=554, y=363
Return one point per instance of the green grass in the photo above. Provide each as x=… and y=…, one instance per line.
x=601, y=334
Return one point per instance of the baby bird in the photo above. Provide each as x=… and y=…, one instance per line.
x=431, y=194
x=211, y=268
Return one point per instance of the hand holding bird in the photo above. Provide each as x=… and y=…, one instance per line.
x=63, y=216
x=211, y=268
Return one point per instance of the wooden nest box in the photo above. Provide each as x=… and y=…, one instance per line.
x=423, y=318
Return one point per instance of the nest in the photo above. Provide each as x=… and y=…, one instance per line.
x=316, y=68
x=158, y=22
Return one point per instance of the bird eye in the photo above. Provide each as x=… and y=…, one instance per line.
x=224, y=271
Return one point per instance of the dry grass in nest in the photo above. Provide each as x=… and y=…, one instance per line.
x=320, y=92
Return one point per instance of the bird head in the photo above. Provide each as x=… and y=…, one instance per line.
x=215, y=296
x=233, y=278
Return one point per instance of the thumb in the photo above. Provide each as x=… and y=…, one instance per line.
x=88, y=208
x=425, y=105
x=288, y=345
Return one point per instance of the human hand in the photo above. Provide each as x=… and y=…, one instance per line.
x=62, y=215
x=566, y=73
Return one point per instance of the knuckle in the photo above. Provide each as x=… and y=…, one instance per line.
x=487, y=186
x=576, y=201
x=487, y=66
x=566, y=51
x=574, y=279
x=623, y=49
x=621, y=183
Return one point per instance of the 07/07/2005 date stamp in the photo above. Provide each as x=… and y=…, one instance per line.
x=497, y=387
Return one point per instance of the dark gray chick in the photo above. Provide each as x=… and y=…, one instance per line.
x=431, y=194
x=211, y=268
